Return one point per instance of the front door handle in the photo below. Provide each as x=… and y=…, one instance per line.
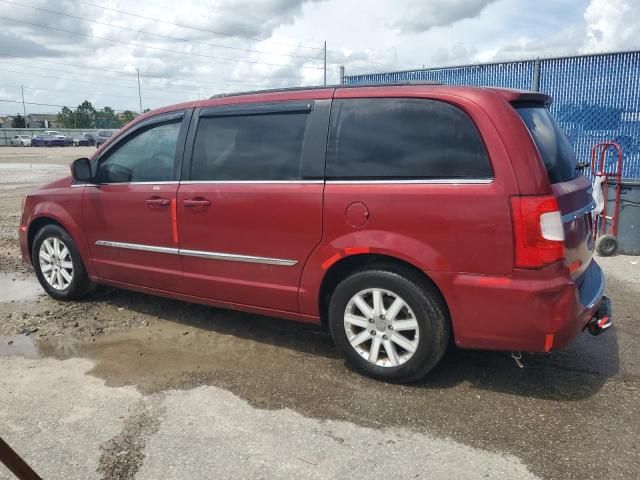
x=156, y=202
x=196, y=202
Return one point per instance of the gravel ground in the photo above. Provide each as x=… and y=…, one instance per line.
x=125, y=385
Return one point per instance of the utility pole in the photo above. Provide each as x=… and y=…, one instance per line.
x=325, y=63
x=24, y=110
x=139, y=93
x=341, y=74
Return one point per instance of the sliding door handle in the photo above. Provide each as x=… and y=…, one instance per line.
x=196, y=202
x=156, y=202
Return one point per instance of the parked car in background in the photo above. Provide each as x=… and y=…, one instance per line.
x=66, y=140
x=21, y=141
x=403, y=218
x=103, y=136
x=47, y=141
x=85, y=140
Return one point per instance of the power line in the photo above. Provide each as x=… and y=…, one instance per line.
x=226, y=34
x=78, y=81
x=61, y=106
x=214, y=32
x=149, y=47
x=84, y=74
x=49, y=69
x=94, y=94
x=159, y=34
x=128, y=75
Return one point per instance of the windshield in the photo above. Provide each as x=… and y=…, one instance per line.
x=554, y=147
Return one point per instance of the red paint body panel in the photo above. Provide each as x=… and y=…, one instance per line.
x=120, y=213
x=460, y=235
x=282, y=221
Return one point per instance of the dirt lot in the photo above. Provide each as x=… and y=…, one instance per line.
x=125, y=385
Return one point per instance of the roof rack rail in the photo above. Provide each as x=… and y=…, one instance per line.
x=320, y=87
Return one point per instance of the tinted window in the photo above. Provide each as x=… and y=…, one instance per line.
x=403, y=139
x=554, y=147
x=249, y=147
x=145, y=156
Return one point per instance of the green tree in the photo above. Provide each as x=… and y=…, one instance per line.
x=126, y=117
x=106, y=118
x=85, y=115
x=18, y=121
x=66, y=118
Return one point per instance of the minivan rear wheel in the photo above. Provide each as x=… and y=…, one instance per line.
x=389, y=326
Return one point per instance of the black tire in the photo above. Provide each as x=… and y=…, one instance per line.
x=80, y=284
x=424, y=301
x=606, y=245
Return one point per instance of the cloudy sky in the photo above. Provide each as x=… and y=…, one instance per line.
x=66, y=51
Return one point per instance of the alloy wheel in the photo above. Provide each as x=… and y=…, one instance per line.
x=56, y=264
x=381, y=327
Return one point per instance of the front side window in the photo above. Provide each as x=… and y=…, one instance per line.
x=404, y=138
x=249, y=147
x=146, y=156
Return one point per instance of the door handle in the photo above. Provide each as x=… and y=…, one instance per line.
x=196, y=202
x=156, y=202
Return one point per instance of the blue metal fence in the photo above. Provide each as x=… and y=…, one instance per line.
x=596, y=98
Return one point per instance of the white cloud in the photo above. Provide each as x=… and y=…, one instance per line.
x=612, y=25
x=421, y=15
x=383, y=36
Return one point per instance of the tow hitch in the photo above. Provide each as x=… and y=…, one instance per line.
x=601, y=320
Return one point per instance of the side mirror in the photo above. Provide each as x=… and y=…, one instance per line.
x=81, y=170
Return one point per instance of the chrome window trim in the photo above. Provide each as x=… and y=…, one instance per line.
x=199, y=253
x=434, y=181
x=172, y=182
x=569, y=217
x=204, y=182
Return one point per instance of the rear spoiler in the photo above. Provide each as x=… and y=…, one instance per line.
x=520, y=97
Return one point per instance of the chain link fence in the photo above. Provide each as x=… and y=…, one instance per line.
x=596, y=98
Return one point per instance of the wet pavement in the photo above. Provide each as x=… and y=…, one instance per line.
x=160, y=388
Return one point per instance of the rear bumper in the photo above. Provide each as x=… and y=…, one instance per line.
x=530, y=310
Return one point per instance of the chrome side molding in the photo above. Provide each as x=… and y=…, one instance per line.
x=230, y=257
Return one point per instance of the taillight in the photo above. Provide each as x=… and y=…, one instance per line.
x=538, y=231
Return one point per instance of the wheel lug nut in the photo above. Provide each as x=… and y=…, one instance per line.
x=373, y=332
x=384, y=337
x=390, y=327
x=381, y=317
x=371, y=320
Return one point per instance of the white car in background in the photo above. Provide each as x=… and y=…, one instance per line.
x=21, y=141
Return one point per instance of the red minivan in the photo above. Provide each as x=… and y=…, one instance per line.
x=402, y=217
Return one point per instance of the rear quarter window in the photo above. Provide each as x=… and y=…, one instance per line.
x=555, y=150
x=383, y=138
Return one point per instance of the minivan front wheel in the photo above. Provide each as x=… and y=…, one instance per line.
x=58, y=264
x=389, y=326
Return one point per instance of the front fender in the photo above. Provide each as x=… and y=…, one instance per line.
x=67, y=212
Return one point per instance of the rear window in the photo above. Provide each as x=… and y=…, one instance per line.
x=249, y=147
x=554, y=147
x=404, y=138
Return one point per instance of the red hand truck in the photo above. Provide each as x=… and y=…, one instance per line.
x=605, y=227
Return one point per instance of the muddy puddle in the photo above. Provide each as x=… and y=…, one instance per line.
x=14, y=288
x=274, y=364
x=18, y=345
